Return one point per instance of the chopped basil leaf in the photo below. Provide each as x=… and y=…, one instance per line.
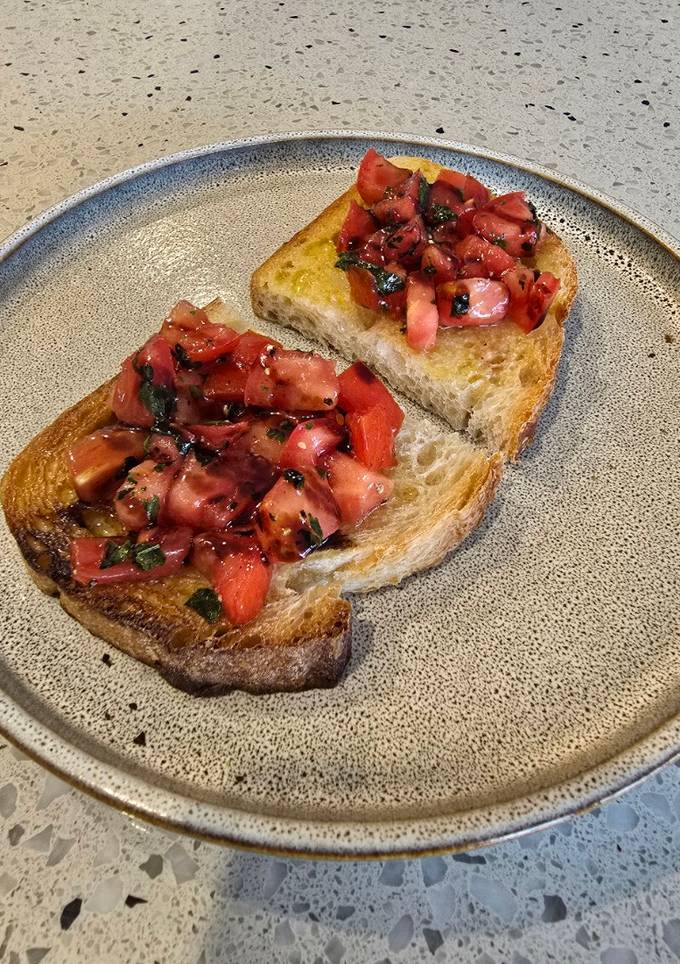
x=206, y=603
x=281, y=431
x=157, y=399
x=183, y=358
x=151, y=507
x=159, y=466
x=146, y=371
x=147, y=555
x=322, y=472
x=386, y=282
x=460, y=304
x=124, y=493
x=423, y=192
x=295, y=478
x=440, y=214
x=114, y=553
x=316, y=532
x=500, y=241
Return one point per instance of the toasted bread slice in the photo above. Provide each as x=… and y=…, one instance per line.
x=301, y=639
x=491, y=382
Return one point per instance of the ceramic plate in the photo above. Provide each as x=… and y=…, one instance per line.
x=534, y=673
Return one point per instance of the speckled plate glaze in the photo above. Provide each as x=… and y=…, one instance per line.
x=534, y=673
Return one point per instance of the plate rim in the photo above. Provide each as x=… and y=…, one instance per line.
x=174, y=811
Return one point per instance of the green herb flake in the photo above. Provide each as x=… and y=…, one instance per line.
x=323, y=473
x=315, y=531
x=460, y=305
x=386, y=282
x=440, y=214
x=157, y=399
x=114, y=553
x=182, y=357
x=147, y=555
x=123, y=494
x=296, y=479
x=206, y=603
x=281, y=431
x=500, y=241
x=151, y=507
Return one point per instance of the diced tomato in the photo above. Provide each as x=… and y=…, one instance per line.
x=152, y=363
x=296, y=515
x=530, y=296
x=163, y=447
x=252, y=348
x=422, y=317
x=544, y=290
x=125, y=402
x=376, y=174
x=512, y=206
x=157, y=355
x=444, y=204
x=372, y=439
x=481, y=259
x=239, y=570
x=394, y=210
x=446, y=236
x=395, y=303
x=438, y=265
x=411, y=188
x=464, y=225
x=373, y=249
x=226, y=382
x=406, y=243
x=469, y=188
x=140, y=501
x=194, y=338
x=219, y=436
x=211, y=496
x=242, y=581
x=363, y=288
x=267, y=436
x=356, y=489
x=98, y=459
x=361, y=390
x=309, y=441
x=357, y=226
x=519, y=240
x=191, y=405
x=293, y=380
x=472, y=301
x=87, y=555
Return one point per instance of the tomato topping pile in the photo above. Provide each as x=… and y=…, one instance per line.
x=442, y=255
x=230, y=453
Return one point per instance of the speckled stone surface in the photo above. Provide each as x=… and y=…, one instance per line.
x=587, y=90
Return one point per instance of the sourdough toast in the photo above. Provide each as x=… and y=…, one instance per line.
x=491, y=382
x=302, y=637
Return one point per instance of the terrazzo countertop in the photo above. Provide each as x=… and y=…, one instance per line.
x=87, y=89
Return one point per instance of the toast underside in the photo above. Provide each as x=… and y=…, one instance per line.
x=490, y=382
x=301, y=639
